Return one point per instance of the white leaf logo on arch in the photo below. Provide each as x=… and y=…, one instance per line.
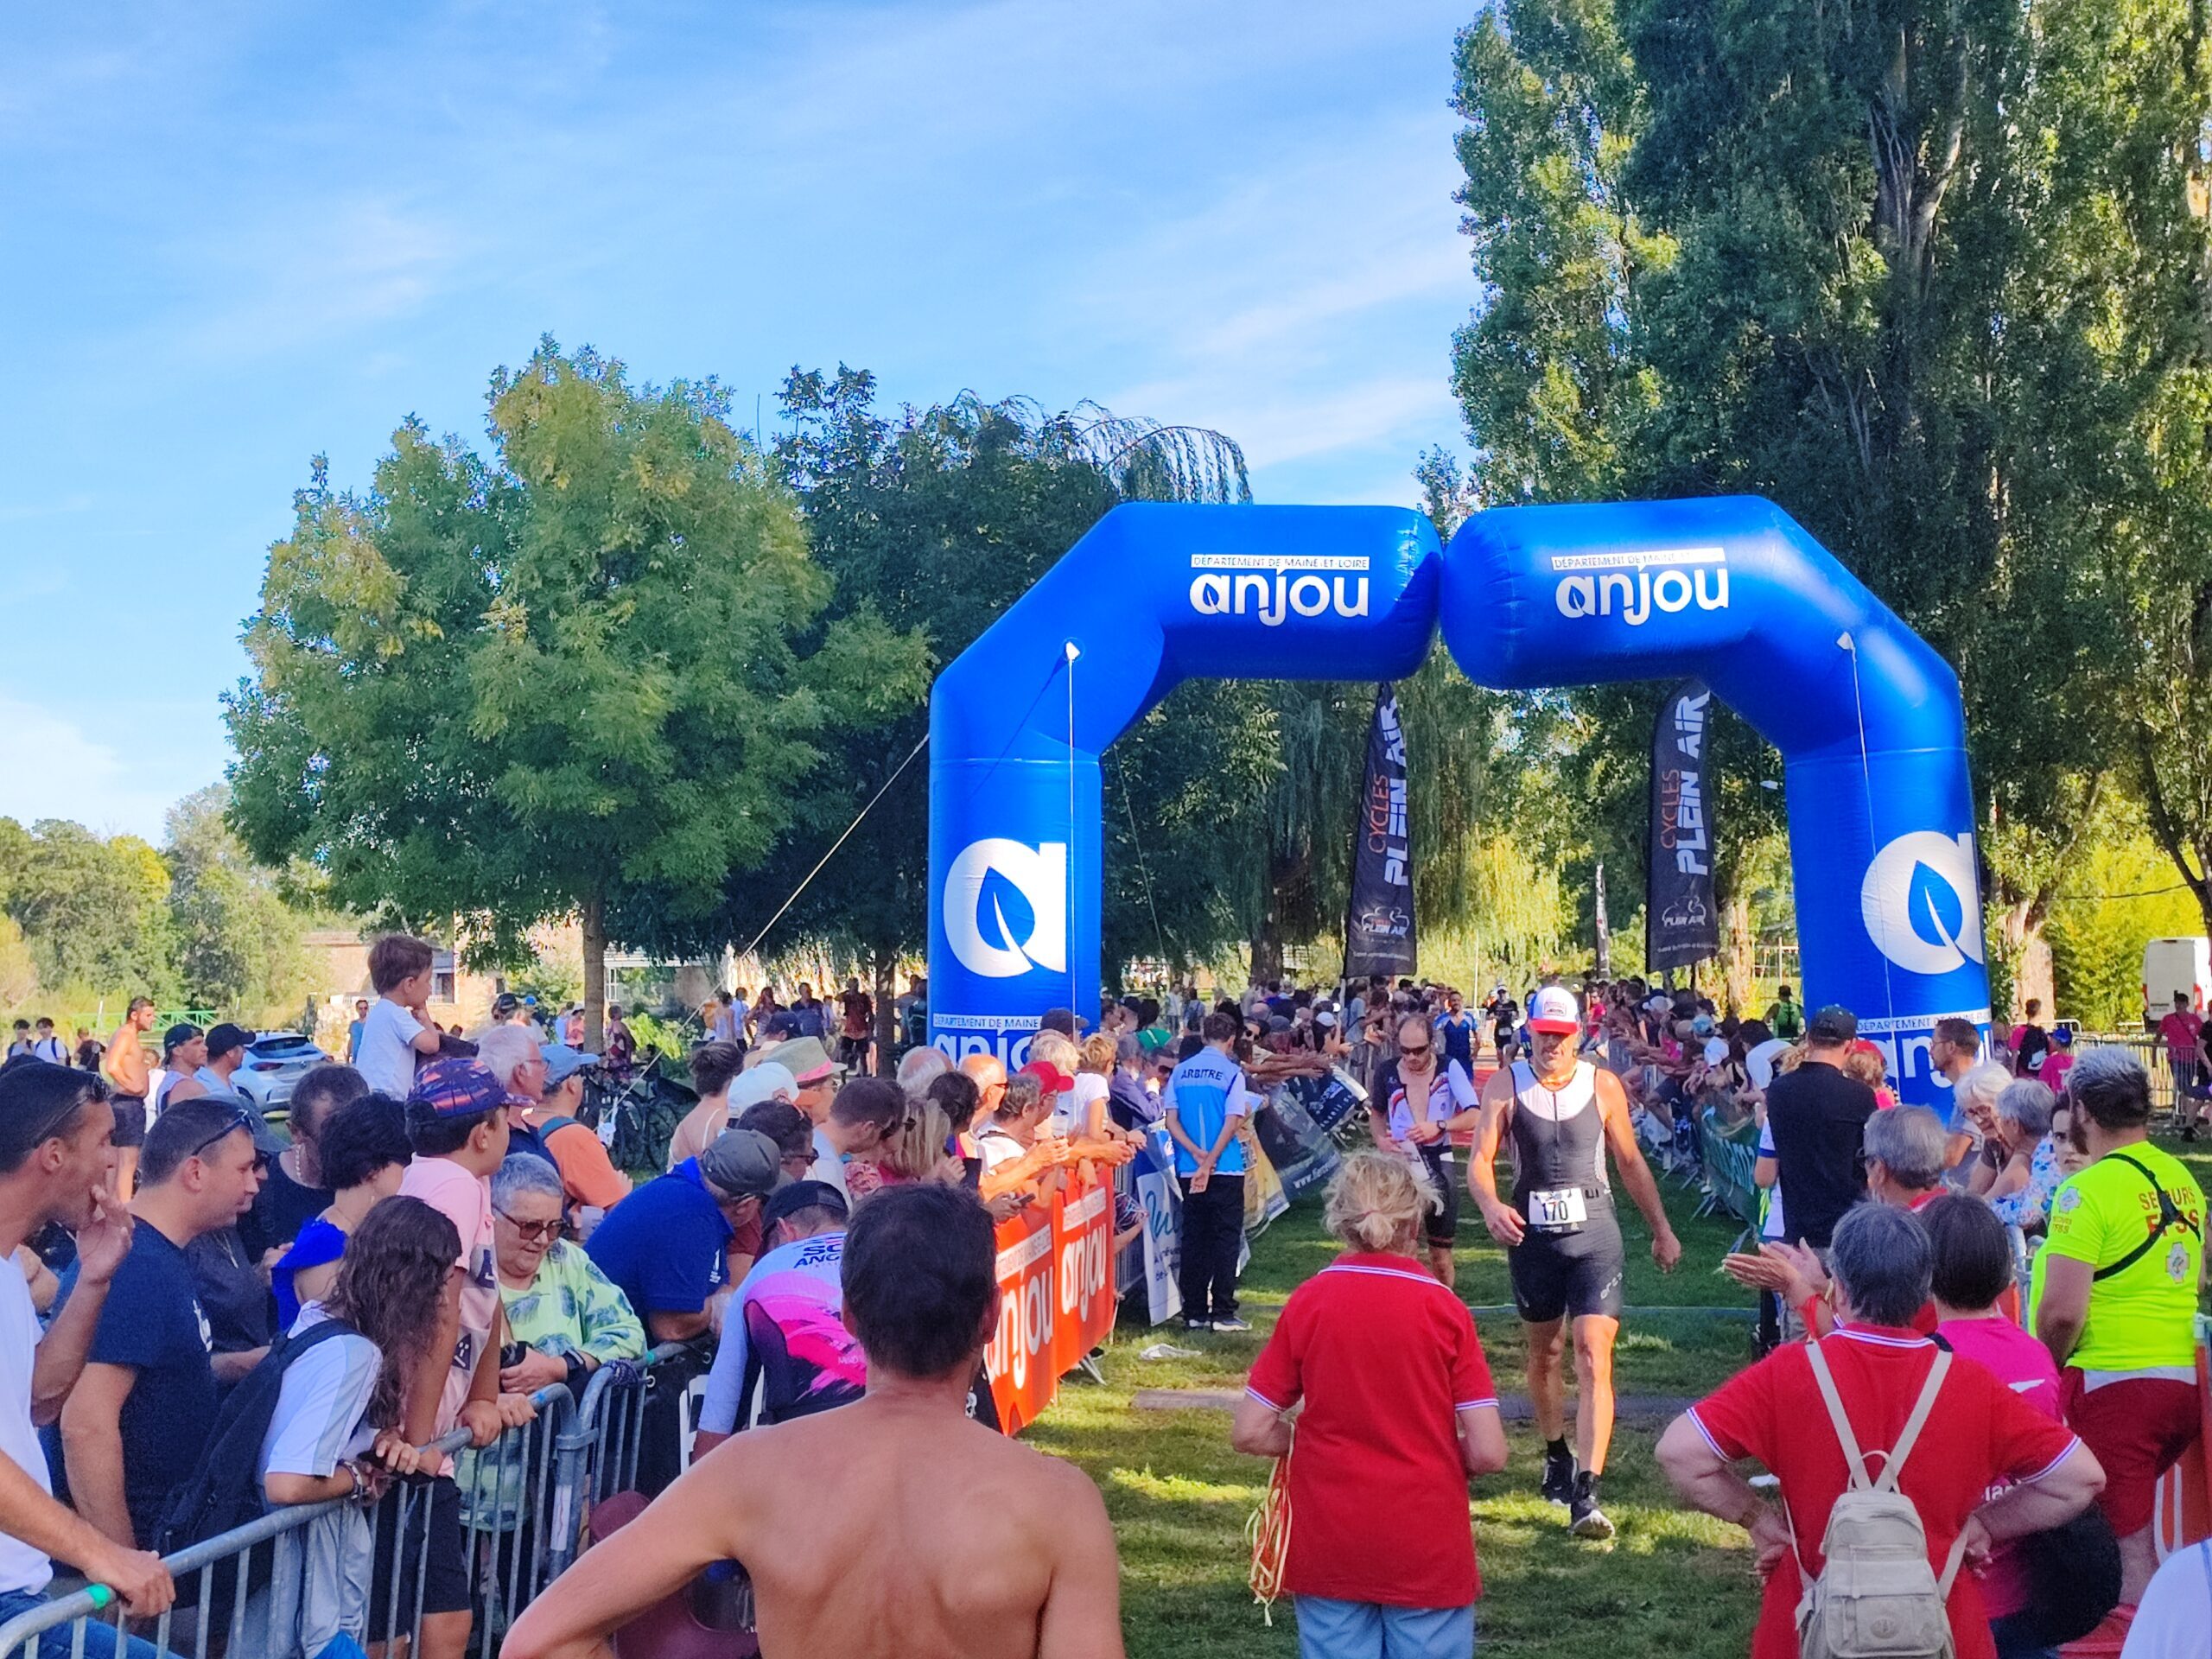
x=1040, y=874
x=1898, y=901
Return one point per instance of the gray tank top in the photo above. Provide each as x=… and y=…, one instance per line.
x=1558, y=1138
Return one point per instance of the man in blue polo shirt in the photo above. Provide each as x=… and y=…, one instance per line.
x=1203, y=1102
x=667, y=1246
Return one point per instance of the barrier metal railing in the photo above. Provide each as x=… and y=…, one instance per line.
x=525, y=1501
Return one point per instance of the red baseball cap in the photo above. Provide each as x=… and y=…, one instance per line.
x=1050, y=1078
x=1552, y=1010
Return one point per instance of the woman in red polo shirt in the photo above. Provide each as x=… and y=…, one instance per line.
x=1399, y=1411
x=1978, y=1433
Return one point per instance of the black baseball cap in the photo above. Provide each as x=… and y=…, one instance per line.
x=505, y=1004
x=225, y=1038
x=1834, y=1024
x=179, y=1035
x=783, y=1025
x=802, y=1195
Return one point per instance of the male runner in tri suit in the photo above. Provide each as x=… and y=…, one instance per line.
x=1412, y=1113
x=1562, y=1241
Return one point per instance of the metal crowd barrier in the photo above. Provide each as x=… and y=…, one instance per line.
x=1729, y=1163
x=2165, y=1096
x=525, y=1502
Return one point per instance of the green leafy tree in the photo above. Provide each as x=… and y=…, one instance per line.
x=582, y=676
x=934, y=520
x=238, y=944
x=92, y=912
x=1921, y=275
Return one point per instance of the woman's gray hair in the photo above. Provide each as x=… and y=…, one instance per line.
x=1983, y=1083
x=521, y=1173
x=2028, y=1104
x=918, y=1065
x=1126, y=1048
x=1910, y=1141
x=1882, y=1261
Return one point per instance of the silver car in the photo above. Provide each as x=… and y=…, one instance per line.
x=276, y=1060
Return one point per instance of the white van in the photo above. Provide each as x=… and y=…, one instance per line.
x=2171, y=965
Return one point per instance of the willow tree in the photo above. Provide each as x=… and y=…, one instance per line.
x=933, y=521
x=578, y=679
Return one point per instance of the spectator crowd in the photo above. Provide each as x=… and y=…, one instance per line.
x=1999, y=1296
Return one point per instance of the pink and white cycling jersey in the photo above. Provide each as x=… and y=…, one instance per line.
x=785, y=1349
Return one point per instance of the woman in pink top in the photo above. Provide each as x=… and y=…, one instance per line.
x=1973, y=1268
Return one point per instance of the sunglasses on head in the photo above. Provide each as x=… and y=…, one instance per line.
x=532, y=1230
x=240, y=1118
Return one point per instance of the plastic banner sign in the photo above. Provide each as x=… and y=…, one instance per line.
x=1379, y=928
x=1681, y=919
x=1082, y=1272
x=1057, y=1298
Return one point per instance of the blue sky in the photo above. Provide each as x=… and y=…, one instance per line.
x=241, y=236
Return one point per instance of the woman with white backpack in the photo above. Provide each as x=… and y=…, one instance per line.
x=1886, y=1447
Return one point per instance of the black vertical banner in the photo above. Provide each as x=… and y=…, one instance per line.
x=1681, y=922
x=1379, y=931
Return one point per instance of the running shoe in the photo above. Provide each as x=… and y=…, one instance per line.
x=1558, y=1476
x=1585, y=1518
x=1231, y=1323
x=1197, y=1324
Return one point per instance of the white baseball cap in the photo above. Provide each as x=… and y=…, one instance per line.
x=1553, y=1009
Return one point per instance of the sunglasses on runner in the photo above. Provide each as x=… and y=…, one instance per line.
x=1415, y=1049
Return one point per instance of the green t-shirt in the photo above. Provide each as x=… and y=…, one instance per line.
x=2145, y=1315
x=1786, y=1021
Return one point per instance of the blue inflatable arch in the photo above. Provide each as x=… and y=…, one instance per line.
x=1866, y=715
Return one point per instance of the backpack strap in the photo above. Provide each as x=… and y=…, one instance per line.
x=1854, y=1459
x=1893, y=1464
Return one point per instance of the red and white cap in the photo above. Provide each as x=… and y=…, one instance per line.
x=1553, y=1009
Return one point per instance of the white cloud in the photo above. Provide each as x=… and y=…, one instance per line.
x=54, y=769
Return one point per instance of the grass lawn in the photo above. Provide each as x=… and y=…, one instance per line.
x=1179, y=1497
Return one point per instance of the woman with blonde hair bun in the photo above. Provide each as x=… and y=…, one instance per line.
x=1398, y=1412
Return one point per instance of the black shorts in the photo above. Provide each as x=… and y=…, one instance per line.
x=1443, y=1223
x=129, y=1119
x=433, y=1513
x=1569, y=1275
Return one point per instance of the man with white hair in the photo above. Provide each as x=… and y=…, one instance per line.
x=918, y=1065
x=545, y=1084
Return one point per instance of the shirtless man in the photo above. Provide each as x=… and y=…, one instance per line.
x=936, y=1536
x=1563, y=1241
x=125, y=1065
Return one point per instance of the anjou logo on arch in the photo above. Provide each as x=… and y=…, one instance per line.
x=1275, y=587
x=1630, y=585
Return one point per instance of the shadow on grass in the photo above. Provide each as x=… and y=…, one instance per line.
x=1672, y=1581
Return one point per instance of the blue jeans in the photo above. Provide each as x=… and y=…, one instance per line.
x=1368, y=1629
x=101, y=1641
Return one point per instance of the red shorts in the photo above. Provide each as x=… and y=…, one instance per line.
x=2138, y=1428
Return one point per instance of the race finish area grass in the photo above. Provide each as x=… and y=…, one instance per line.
x=1179, y=1497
